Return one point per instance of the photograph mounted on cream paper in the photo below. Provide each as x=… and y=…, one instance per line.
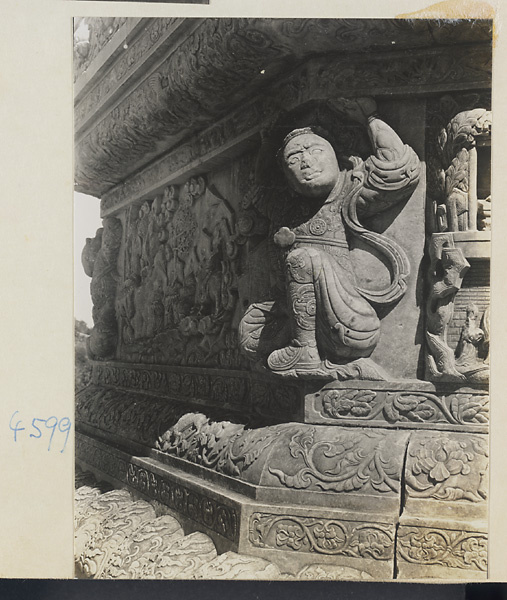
x=286, y=375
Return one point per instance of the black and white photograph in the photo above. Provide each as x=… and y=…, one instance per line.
x=282, y=325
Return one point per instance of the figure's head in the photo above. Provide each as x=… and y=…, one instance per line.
x=309, y=163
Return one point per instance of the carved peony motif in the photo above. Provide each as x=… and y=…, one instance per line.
x=446, y=467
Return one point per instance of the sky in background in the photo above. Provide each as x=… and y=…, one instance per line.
x=86, y=222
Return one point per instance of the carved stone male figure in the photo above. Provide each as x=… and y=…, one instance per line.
x=331, y=320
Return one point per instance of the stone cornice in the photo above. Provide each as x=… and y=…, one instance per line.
x=160, y=90
x=96, y=91
x=425, y=71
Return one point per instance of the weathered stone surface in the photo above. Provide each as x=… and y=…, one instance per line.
x=443, y=526
x=469, y=361
x=447, y=467
x=299, y=457
x=324, y=536
x=447, y=487
x=100, y=506
x=170, y=394
x=411, y=405
x=240, y=45
x=139, y=555
x=330, y=573
x=329, y=319
x=441, y=553
x=357, y=542
x=231, y=565
x=291, y=315
x=100, y=537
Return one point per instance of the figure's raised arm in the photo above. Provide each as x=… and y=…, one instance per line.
x=393, y=169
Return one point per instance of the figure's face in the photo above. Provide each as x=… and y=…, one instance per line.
x=310, y=165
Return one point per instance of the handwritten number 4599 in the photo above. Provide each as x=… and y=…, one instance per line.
x=40, y=426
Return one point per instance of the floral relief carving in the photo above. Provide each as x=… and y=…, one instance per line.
x=470, y=408
x=457, y=409
x=356, y=403
x=179, y=292
x=350, y=462
x=448, y=467
x=322, y=536
x=182, y=387
x=455, y=549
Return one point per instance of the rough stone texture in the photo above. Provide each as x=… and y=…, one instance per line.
x=129, y=543
x=291, y=297
x=231, y=565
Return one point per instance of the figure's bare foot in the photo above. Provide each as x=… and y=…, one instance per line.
x=302, y=358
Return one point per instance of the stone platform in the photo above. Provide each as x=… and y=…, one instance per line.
x=121, y=537
x=387, y=499
x=261, y=398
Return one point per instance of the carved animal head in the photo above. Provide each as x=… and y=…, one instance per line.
x=90, y=252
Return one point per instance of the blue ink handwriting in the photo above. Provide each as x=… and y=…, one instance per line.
x=39, y=427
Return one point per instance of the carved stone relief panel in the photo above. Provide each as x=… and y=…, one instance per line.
x=448, y=467
x=413, y=407
x=90, y=37
x=467, y=197
x=100, y=262
x=460, y=201
x=331, y=537
x=291, y=456
x=325, y=320
x=185, y=499
x=459, y=162
x=434, y=552
x=233, y=58
x=193, y=255
x=276, y=276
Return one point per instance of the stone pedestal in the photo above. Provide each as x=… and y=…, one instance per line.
x=373, y=462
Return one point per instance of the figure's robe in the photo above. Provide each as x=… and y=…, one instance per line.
x=347, y=325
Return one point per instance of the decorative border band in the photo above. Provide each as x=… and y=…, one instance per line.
x=322, y=536
x=206, y=511
x=464, y=409
x=445, y=548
